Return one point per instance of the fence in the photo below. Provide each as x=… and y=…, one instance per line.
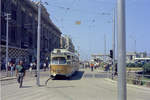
x=133, y=78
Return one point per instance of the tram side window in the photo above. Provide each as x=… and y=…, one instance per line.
x=55, y=61
x=59, y=60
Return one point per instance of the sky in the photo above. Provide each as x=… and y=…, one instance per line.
x=96, y=21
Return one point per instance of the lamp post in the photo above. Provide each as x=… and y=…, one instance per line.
x=38, y=45
x=113, y=44
x=7, y=30
x=105, y=48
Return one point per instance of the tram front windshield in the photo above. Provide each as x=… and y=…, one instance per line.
x=58, y=60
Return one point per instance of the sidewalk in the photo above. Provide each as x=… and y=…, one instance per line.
x=3, y=76
x=7, y=78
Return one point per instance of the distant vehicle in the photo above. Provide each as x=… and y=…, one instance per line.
x=63, y=63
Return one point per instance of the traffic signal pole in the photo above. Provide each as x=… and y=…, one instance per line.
x=122, y=95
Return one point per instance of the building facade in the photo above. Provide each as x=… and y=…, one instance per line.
x=66, y=43
x=23, y=31
x=131, y=57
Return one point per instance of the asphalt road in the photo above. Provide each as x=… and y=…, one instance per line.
x=84, y=85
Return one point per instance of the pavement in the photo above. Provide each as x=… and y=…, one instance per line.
x=3, y=76
x=7, y=78
x=85, y=85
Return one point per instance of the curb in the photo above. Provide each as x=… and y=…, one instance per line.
x=10, y=78
x=129, y=85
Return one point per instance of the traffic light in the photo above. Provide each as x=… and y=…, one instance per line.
x=111, y=53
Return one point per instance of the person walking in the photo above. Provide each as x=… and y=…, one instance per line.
x=20, y=73
x=35, y=70
x=11, y=68
x=44, y=66
x=31, y=66
x=92, y=65
x=116, y=69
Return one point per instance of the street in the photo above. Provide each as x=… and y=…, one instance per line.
x=105, y=39
x=84, y=85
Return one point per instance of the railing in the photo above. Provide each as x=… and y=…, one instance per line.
x=133, y=78
x=138, y=79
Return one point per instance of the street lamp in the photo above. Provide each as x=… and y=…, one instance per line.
x=38, y=45
x=7, y=30
x=113, y=43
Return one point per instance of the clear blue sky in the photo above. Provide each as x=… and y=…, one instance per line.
x=89, y=35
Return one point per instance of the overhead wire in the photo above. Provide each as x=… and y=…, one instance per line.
x=69, y=9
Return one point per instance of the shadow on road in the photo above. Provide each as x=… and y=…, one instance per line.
x=26, y=86
x=76, y=76
x=62, y=87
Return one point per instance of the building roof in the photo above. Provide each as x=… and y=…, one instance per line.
x=46, y=16
x=142, y=58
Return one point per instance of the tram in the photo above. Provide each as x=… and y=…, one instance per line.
x=63, y=63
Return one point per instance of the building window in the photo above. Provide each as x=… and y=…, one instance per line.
x=47, y=43
x=3, y=27
x=14, y=14
x=13, y=34
x=30, y=42
x=22, y=19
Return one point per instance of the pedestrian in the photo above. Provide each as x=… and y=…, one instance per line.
x=92, y=65
x=35, y=70
x=116, y=69
x=108, y=67
x=11, y=68
x=44, y=66
x=8, y=66
x=20, y=73
x=34, y=65
x=95, y=65
x=31, y=66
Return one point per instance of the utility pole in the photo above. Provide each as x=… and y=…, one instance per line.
x=122, y=95
x=113, y=45
x=7, y=30
x=104, y=47
x=38, y=44
x=135, y=45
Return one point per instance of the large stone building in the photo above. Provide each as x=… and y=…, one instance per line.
x=23, y=31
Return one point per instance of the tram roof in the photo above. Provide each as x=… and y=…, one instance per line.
x=62, y=52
